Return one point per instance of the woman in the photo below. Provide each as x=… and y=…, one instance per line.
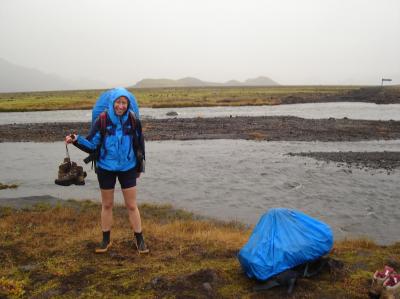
x=116, y=159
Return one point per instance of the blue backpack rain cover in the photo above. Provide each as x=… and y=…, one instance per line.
x=103, y=101
x=281, y=240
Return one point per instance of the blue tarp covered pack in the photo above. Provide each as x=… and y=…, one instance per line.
x=281, y=240
x=102, y=102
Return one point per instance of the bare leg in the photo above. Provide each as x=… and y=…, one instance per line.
x=133, y=210
x=107, y=202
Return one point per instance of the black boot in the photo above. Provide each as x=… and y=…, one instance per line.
x=105, y=243
x=140, y=245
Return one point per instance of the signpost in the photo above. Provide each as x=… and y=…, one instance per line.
x=385, y=80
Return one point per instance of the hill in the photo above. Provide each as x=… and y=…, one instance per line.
x=194, y=82
x=16, y=78
x=260, y=81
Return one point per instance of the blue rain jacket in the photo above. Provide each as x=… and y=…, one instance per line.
x=281, y=240
x=116, y=153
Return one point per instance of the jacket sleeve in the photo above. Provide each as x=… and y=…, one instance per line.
x=92, y=141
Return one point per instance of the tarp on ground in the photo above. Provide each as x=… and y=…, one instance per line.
x=283, y=239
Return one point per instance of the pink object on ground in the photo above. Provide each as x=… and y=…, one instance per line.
x=385, y=273
x=393, y=280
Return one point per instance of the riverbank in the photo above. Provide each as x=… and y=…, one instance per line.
x=43, y=256
x=268, y=128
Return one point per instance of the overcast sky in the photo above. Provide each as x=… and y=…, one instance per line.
x=123, y=41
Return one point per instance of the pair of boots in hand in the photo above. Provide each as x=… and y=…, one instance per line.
x=70, y=173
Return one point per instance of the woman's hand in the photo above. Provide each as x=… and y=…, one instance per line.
x=71, y=138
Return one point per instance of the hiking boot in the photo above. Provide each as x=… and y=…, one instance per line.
x=80, y=180
x=65, y=166
x=378, y=279
x=80, y=175
x=391, y=287
x=70, y=173
x=65, y=179
x=103, y=247
x=141, y=247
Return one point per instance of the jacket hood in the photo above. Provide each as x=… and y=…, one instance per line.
x=116, y=93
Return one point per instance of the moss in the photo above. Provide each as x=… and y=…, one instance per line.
x=6, y=211
x=11, y=288
x=41, y=206
x=49, y=253
x=360, y=275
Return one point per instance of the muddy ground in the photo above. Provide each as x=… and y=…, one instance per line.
x=267, y=128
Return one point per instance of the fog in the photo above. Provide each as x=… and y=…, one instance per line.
x=123, y=41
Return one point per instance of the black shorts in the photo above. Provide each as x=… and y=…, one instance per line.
x=107, y=179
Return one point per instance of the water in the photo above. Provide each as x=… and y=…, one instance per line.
x=312, y=110
x=233, y=180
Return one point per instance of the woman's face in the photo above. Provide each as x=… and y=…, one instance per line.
x=121, y=105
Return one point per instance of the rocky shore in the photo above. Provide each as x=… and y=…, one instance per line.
x=360, y=160
x=275, y=128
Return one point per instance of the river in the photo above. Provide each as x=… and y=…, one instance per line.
x=311, y=110
x=233, y=180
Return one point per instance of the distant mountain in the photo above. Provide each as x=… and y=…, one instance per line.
x=15, y=78
x=194, y=82
x=233, y=83
x=260, y=81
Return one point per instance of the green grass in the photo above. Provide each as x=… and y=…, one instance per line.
x=166, y=97
x=48, y=252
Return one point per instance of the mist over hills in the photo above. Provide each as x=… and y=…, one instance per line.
x=194, y=82
x=15, y=78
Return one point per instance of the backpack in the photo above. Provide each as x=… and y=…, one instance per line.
x=288, y=278
x=101, y=104
x=103, y=100
x=282, y=240
x=99, y=111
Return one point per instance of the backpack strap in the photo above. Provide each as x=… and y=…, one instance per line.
x=94, y=155
x=103, y=131
x=137, y=141
x=132, y=120
x=103, y=123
